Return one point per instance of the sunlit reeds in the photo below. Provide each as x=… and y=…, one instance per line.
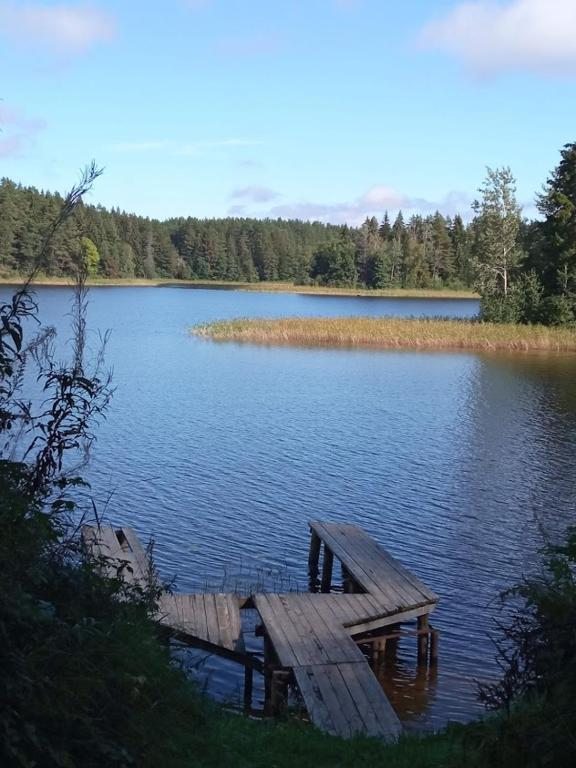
x=390, y=332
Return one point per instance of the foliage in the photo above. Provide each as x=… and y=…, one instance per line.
x=334, y=264
x=556, y=262
x=537, y=654
x=83, y=678
x=91, y=256
x=125, y=245
x=543, y=288
x=496, y=229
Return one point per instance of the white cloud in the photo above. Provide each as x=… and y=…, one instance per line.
x=254, y=194
x=372, y=203
x=65, y=27
x=490, y=37
x=17, y=131
x=180, y=148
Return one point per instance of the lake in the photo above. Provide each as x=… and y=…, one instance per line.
x=223, y=452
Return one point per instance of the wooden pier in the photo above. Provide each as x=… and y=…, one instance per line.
x=311, y=640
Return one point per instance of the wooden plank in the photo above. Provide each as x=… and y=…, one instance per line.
x=356, y=560
x=360, y=627
x=138, y=552
x=361, y=555
x=324, y=700
x=275, y=630
x=346, y=700
x=224, y=626
x=352, y=536
x=379, y=716
x=367, y=565
x=309, y=646
x=329, y=629
x=236, y=622
x=199, y=610
x=211, y=618
x=316, y=705
x=360, y=712
x=125, y=556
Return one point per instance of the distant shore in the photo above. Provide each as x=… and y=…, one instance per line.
x=390, y=333
x=262, y=287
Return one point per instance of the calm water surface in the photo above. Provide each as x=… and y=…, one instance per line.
x=223, y=452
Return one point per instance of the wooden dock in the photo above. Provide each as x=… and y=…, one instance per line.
x=310, y=639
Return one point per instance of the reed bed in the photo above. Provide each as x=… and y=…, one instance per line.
x=390, y=333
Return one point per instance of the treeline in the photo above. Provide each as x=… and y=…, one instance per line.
x=421, y=252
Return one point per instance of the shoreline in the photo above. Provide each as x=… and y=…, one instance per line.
x=390, y=333
x=263, y=287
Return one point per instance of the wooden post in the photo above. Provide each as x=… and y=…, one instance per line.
x=313, y=558
x=392, y=644
x=279, y=692
x=248, y=686
x=327, y=570
x=433, y=647
x=268, y=652
x=423, y=633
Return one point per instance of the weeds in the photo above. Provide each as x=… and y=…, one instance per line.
x=390, y=333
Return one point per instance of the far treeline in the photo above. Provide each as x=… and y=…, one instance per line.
x=524, y=270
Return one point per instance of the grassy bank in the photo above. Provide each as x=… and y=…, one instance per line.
x=263, y=287
x=385, y=333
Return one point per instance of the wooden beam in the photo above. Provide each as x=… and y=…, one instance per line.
x=248, y=688
x=433, y=647
x=327, y=565
x=313, y=559
x=423, y=637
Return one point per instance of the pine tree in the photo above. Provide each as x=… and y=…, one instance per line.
x=385, y=229
x=558, y=204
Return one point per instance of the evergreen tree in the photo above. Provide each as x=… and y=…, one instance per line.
x=385, y=229
x=557, y=265
x=461, y=251
x=334, y=264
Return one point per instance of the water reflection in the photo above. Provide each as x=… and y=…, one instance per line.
x=223, y=454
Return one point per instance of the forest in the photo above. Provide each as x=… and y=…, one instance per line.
x=420, y=252
x=525, y=271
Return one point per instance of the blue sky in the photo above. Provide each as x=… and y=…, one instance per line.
x=322, y=109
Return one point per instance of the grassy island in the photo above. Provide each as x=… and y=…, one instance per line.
x=391, y=333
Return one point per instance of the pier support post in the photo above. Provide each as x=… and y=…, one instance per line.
x=279, y=692
x=327, y=565
x=392, y=644
x=423, y=637
x=433, y=647
x=248, y=687
x=268, y=654
x=313, y=558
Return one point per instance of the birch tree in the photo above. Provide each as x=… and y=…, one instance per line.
x=497, y=226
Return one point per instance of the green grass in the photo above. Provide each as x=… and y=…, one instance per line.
x=390, y=332
x=247, y=744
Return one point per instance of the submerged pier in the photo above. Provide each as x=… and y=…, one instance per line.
x=311, y=640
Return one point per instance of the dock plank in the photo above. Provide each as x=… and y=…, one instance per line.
x=346, y=700
x=370, y=564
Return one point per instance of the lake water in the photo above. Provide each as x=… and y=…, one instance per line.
x=223, y=452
